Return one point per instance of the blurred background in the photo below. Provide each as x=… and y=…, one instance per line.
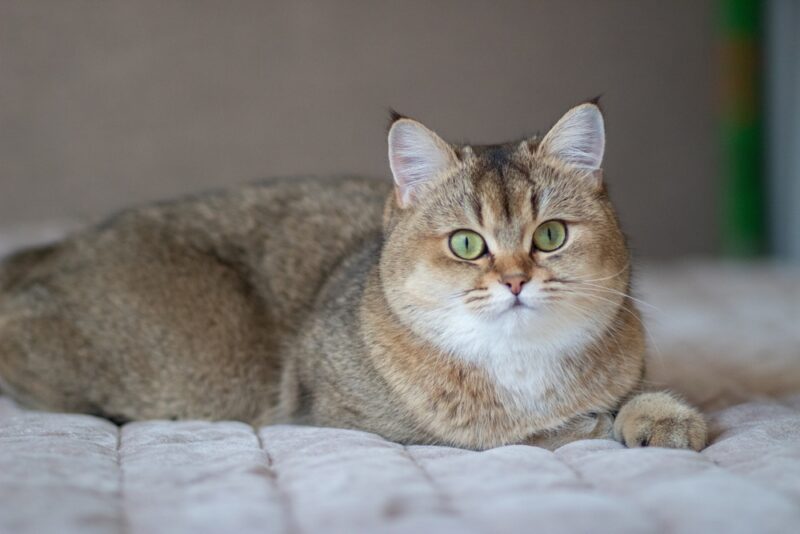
x=113, y=103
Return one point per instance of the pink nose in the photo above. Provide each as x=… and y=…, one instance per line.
x=514, y=282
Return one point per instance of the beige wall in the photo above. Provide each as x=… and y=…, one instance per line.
x=108, y=103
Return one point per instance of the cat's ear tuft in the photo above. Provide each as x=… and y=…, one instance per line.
x=416, y=156
x=578, y=139
x=394, y=116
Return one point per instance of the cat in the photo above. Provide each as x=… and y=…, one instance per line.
x=481, y=300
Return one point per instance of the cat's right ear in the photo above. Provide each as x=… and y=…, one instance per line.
x=416, y=156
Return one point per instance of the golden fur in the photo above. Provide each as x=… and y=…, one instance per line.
x=338, y=302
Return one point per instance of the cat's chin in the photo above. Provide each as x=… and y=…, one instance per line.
x=518, y=308
x=517, y=318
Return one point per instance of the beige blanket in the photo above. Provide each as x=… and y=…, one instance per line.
x=725, y=335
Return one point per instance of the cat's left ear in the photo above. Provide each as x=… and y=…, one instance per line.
x=416, y=155
x=578, y=140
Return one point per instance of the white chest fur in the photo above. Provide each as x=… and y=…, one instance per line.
x=523, y=353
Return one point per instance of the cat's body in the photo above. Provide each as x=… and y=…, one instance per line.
x=208, y=289
x=335, y=302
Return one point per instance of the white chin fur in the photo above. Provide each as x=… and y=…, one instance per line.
x=521, y=348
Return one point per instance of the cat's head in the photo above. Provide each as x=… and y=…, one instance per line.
x=513, y=246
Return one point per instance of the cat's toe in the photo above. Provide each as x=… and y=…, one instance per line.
x=674, y=433
x=658, y=420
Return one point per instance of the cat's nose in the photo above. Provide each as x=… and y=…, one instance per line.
x=514, y=282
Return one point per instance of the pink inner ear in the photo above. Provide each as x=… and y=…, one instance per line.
x=403, y=165
x=404, y=178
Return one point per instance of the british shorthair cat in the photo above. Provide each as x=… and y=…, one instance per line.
x=482, y=300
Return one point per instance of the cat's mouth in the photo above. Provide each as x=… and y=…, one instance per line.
x=517, y=305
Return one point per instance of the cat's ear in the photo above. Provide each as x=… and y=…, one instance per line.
x=578, y=139
x=416, y=156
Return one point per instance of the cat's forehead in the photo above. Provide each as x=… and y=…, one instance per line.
x=502, y=181
x=496, y=156
x=502, y=194
x=504, y=188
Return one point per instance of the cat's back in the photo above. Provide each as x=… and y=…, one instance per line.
x=292, y=211
x=286, y=234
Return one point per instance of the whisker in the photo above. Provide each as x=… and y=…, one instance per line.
x=595, y=287
x=459, y=294
x=607, y=318
x=627, y=265
x=649, y=335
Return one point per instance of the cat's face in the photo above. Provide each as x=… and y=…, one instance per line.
x=513, y=247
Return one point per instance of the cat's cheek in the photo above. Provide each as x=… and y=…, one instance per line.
x=432, y=286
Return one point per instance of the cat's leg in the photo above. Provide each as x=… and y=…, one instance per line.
x=589, y=426
x=658, y=419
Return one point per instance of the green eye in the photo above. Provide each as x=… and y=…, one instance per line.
x=467, y=244
x=550, y=236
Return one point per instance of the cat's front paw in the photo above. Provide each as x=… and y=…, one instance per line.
x=660, y=420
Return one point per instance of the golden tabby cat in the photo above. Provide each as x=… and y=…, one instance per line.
x=481, y=302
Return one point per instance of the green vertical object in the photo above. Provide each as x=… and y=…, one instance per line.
x=743, y=223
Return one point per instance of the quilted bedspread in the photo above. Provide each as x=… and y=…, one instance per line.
x=726, y=336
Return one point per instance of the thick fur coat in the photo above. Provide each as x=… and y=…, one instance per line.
x=344, y=302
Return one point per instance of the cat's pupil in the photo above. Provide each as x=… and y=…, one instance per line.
x=549, y=234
